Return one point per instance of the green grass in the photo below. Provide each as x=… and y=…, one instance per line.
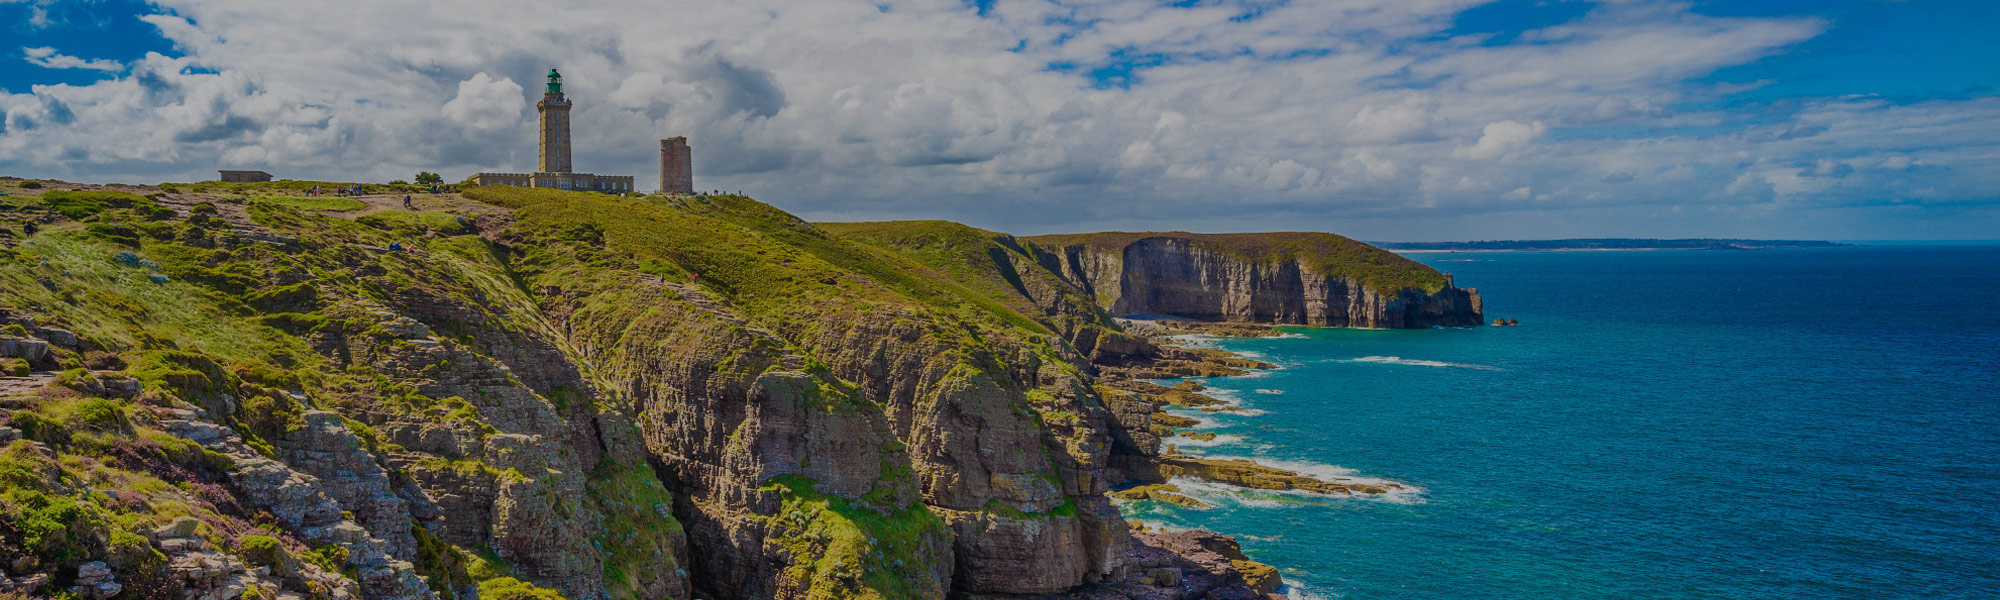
x=417, y=223
x=80, y=204
x=508, y=588
x=779, y=272
x=111, y=303
x=995, y=265
x=314, y=203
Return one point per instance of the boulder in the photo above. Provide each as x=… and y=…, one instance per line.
x=62, y=338
x=30, y=350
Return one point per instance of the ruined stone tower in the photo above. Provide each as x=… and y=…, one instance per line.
x=555, y=127
x=676, y=166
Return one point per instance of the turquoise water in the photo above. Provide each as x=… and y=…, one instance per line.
x=1675, y=424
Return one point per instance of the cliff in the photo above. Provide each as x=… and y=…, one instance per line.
x=1287, y=278
x=513, y=393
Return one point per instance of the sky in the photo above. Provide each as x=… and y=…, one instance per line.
x=1387, y=120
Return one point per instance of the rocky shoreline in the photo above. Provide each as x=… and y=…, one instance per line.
x=1142, y=432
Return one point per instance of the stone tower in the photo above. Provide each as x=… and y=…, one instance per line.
x=676, y=166
x=555, y=127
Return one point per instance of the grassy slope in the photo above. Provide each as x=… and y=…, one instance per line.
x=767, y=263
x=984, y=261
x=1332, y=255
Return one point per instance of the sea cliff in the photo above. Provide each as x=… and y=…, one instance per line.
x=1287, y=278
x=514, y=393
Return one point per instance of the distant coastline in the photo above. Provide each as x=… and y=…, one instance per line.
x=1602, y=244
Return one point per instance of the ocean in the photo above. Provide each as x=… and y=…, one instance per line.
x=1816, y=423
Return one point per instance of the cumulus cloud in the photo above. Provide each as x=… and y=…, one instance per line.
x=48, y=58
x=486, y=103
x=1352, y=115
x=1501, y=137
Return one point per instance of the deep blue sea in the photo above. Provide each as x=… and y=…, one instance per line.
x=1668, y=424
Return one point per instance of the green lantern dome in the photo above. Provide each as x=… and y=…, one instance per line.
x=555, y=82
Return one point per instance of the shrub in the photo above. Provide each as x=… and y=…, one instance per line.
x=330, y=557
x=77, y=205
x=56, y=529
x=118, y=233
x=35, y=426
x=15, y=329
x=99, y=414
x=31, y=185
x=191, y=376
x=508, y=588
x=271, y=417
x=14, y=367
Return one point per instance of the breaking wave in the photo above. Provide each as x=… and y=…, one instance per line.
x=1218, y=440
x=1397, y=360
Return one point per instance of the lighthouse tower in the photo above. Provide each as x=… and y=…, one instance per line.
x=556, y=169
x=555, y=127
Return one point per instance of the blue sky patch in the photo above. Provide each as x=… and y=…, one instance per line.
x=108, y=30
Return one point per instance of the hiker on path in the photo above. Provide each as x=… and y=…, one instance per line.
x=406, y=202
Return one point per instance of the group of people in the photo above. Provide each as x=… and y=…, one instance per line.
x=356, y=190
x=343, y=190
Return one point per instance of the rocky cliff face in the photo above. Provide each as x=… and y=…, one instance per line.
x=1209, y=278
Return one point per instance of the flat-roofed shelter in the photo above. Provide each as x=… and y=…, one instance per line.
x=245, y=176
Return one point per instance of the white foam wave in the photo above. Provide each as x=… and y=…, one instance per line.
x=1218, y=440
x=1230, y=396
x=1397, y=360
x=1202, y=420
x=1271, y=392
x=1297, y=590
x=1247, y=412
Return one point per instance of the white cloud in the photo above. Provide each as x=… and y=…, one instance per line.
x=1501, y=137
x=48, y=58
x=1307, y=115
x=486, y=103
